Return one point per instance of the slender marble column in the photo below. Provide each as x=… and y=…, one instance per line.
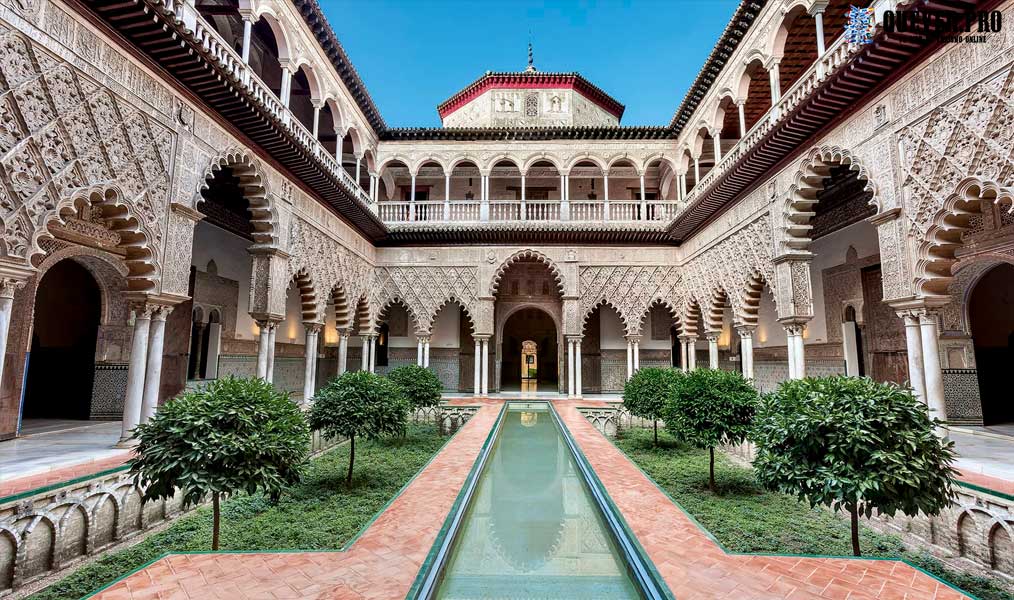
x=637, y=353
x=309, y=362
x=214, y=350
x=426, y=352
x=343, y=351
x=818, y=21
x=913, y=343
x=271, y=352
x=419, y=351
x=477, y=367
x=366, y=353
x=135, y=372
x=247, y=30
x=691, y=353
x=7, y=289
x=746, y=350
x=570, y=368
x=263, y=339
x=931, y=367
x=630, y=358
x=790, y=348
x=153, y=371
x=742, y=118
x=577, y=366
x=373, y=354
x=485, y=367
x=712, y=350
x=683, y=353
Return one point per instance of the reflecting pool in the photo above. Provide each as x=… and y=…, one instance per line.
x=532, y=529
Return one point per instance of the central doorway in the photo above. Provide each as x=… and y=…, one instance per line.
x=529, y=352
x=991, y=311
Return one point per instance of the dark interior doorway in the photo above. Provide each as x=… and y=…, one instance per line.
x=61, y=365
x=529, y=324
x=991, y=312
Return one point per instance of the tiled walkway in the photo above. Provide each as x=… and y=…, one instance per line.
x=695, y=567
x=382, y=563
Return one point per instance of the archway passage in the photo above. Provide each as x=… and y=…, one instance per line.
x=61, y=366
x=529, y=325
x=991, y=312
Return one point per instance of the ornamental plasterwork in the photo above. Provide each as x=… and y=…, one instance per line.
x=970, y=136
x=61, y=132
x=629, y=290
x=732, y=265
x=330, y=265
x=424, y=290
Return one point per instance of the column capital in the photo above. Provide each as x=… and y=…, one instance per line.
x=268, y=323
x=818, y=7
x=481, y=337
x=712, y=336
x=313, y=327
x=688, y=339
x=161, y=312
x=423, y=337
x=772, y=62
x=574, y=338
x=745, y=330
x=635, y=338
x=9, y=285
x=794, y=327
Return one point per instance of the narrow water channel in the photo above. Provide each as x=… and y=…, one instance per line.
x=532, y=529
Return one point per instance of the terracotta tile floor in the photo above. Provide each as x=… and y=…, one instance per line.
x=695, y=567
x=62, y=474
x=382, y=563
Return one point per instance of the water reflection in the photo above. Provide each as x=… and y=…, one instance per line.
x=532, y=530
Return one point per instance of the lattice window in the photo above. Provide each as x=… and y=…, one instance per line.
x=532, y=105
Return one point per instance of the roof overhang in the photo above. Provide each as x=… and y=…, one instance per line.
x=531, y=80
x=538, y=232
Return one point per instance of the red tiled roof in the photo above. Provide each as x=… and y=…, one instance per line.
x=529, y=80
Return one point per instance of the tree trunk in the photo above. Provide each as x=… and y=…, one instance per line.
x=216, y=519
x=352, y=460
x=711, y=471
x=655, y=425
x=854, y=514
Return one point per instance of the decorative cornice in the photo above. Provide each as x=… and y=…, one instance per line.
x=458, y=134
x=530, y=80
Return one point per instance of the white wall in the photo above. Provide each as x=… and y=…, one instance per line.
x=610, y=330
x=446, y=328
x=829, y=251
x=233, y=261
x=291, y=330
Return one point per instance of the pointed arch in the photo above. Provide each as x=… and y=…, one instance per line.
x=525, y=255
x=253, y=183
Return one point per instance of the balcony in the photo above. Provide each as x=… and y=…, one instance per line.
x=500, y=211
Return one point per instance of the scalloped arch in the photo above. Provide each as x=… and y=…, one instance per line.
x=807, y=182
x=668, y=305
x=935, y=255
x=525, y=255
x=601, y=302
x=263, y=216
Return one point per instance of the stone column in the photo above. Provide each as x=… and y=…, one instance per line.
x=286, y=88
x=577, y=367
x=343, y=350
x=570, y=367
x=712, y=338
x=931, y=367
x=135, y=371
x=310, y=360
x=447, y=197
x=359, y=166
x=419, y=351
x=214, y=350
x=794, y=346
x=740, y=104
x=7, y=289
x=691, y=353
x=366, y=353
x=316, y=119
x=776, y=86
x=605, y=193
x=373, y=354
x=247, y=30
x=697, y=170
x=644, y=202
x=477, y=362
x=153, y=370
x=565, y=196
x=271, y=352
x=263, y=341
x=630, y=357
x=484, y=198
x=746, y=350
x=683, y=352
x=817, y=10
x=637, y=353
x=411, y=201
x=716, y=137
x=198, y=334
x=426, y=352
x=485, y=366
x=913, y=343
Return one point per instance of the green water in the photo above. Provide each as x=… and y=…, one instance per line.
x=532, y=530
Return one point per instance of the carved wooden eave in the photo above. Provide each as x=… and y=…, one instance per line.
x=733, y=34
x=155, y=30
x=327, y=39
x=468, y=134
x=535, y=232
x=870, y=70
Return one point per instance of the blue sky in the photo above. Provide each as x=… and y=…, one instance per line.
x=414, y=54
